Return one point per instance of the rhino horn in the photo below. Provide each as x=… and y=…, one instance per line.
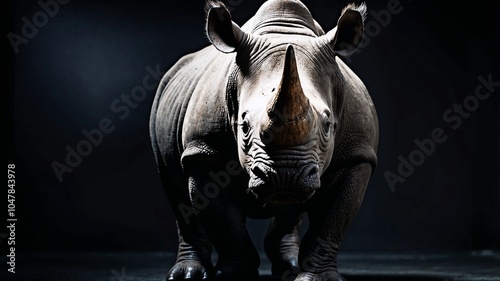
x=289, y=112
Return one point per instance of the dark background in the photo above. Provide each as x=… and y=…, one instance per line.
x=66, y=77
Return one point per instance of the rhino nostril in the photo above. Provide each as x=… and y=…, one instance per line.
x=258, y=172
x=313, y=171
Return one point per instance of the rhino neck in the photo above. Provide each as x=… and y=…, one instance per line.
x=284, y=17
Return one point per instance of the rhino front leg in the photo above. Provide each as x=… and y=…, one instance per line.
x=225, y=226
x=193, y=258
x=282, y=244
x=194, y=252
x=329, y=216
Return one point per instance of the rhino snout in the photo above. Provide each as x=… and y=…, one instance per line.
x=284, y=185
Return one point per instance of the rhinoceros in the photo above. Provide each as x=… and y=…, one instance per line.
x=267, y=122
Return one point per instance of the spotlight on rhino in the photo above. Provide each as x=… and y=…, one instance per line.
x=287, y=129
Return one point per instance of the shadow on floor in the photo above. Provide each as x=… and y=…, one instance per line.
x=376, y=278
x=470, y=266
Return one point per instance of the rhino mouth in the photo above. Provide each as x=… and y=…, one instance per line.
x=284, y=186
x=285, y=197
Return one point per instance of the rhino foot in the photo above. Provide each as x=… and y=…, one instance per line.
x=231, y=273
x=324, y=276
x=188, y=270
x=286, y=270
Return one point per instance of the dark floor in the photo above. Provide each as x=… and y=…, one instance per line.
x=471, y=266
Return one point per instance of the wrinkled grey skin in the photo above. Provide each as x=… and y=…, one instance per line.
x=268, y=122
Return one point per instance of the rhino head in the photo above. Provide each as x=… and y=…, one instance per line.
x=284, y=95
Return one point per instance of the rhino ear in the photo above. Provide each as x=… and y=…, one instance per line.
x=348, y=33
x=222, y=32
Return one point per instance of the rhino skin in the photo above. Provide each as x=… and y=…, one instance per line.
x=266, y=122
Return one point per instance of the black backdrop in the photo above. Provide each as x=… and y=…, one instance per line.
x=417, y=65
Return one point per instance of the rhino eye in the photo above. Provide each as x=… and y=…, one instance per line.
x=245, y=127
x=327, y=124
x=245, y=124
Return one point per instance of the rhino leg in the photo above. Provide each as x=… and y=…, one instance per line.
x=194, y=253
x=225, y=225
x=329, y=217
x=282, y=243
x=193, y=260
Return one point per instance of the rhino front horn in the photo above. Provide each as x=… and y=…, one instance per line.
x=289, y=111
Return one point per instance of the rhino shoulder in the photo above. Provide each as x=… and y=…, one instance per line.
x=205, y=130
x=358, y=128
x=189, y=108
